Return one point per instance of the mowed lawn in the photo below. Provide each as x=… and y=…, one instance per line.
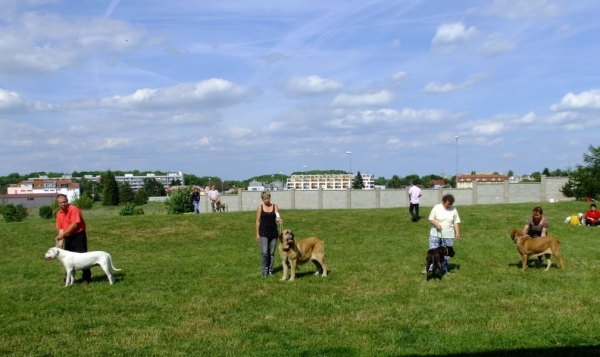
x=190, y=285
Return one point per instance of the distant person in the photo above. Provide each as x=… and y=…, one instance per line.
x=537, y=224
x=592, y=217
x=213, y=195
x=195, y=198
x=445, y=228
x=71, y=231
x=414, y=194
x=267, y=217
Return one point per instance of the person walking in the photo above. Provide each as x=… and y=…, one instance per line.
x=444, y=230
x=267, y=217
x=71, y=231
x=414, y=195
x=195, y=198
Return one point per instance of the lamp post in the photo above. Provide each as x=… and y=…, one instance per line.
x=350, y=156
x=456, y=137
x=304, y=169
x=209, y=183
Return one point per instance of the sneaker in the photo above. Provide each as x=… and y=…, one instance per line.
x=270, y=274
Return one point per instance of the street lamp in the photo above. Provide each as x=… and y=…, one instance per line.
x=209, y=183
x=456, y=137
x=350, y=156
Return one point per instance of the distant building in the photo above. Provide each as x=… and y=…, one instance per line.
x=256, y=186
x=137, y=182
x=466, y=181
x=45, y=186
x=438, y=183
x=328, y=182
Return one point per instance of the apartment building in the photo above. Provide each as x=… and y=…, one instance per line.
x=327, y=182
x=137, y=182
x=466, y=181
x=45, y=186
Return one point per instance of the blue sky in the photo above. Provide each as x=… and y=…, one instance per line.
x=236, y=89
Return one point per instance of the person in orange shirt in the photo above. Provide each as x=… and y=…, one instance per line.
x=71, y=231
x=592, y=217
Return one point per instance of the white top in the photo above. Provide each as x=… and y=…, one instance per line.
x=414, y=192
x=446, y=218
x=213, y=194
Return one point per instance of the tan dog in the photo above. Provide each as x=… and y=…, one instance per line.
x=536, y=247
x=295, y=252
x=221, y=206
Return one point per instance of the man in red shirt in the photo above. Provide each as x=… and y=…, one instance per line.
x=71, y=231
x=592, y=217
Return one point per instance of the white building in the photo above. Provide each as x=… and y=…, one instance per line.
x=327, y=182
x=45, y=186
x=137, y=182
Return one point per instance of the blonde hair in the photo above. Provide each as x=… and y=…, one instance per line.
x=265, y=194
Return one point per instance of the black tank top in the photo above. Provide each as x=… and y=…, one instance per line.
x=268, y=225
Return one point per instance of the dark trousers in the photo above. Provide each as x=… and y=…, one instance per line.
x=414, y=211
x=78, y=243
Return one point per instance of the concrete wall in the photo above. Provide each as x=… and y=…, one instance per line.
x=548, y=188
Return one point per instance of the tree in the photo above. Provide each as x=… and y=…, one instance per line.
x=585, y=180
x=358, y=183
x=141, y=197
x=381, y=181
x=510, y=173
x=546, y=172
x=394, y=182
x=154, y=187
x=110, y=194
x=179, y=201
x=126, y=193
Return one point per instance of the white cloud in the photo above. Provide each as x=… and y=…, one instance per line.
x=489, y=128
x=514, y=9
x=438, y=88
x=382, y=97
x=497, y=46
x=209, y=93
x=454, y=32
x=398, y=77
x=390, y=116
x=395, y=43
x=10, y=100
x=111, y=143
x=311, y=86
x=584, y=100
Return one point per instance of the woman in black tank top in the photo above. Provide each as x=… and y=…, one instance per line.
x=267, y=216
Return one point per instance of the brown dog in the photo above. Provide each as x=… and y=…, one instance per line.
x=295, y=252
x=536, y=247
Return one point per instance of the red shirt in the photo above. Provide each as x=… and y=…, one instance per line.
x=595, y=214
x=64, y=220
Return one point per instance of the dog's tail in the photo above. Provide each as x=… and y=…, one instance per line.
x=111, y=263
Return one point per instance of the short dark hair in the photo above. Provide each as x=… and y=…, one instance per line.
x=538, y=209
x=448, y=198
x=592, y=205
x=62, y=195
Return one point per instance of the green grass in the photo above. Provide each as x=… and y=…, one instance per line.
x=191, y=285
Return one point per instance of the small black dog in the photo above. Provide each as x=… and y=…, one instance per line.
x=435, y=257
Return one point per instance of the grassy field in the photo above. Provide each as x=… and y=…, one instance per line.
x=191, y=286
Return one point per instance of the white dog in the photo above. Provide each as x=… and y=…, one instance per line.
x=78, y=261
x=579, y=217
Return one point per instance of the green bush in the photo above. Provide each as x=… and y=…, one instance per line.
x=83, y=202
x=129, y=210
x=46, y=212
x=179, y=201
x=12, y=213
x=141, y=197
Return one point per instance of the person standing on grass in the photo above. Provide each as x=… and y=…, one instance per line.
x=414, y=194
x=213, y=195
x=71, y=231
x=195, y=198
x=267, y=217
x=445, y=228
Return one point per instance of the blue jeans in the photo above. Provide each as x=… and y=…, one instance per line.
x=196, y=206
x=435, y=242
x=267, y=254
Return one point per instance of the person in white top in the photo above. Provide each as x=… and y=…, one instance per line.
x=445, y=228
x=213, y=196
x=414, y=193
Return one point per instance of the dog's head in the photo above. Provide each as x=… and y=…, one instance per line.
x=450, y=252
x=515, y=235
x=52, y=253
x=286, y=238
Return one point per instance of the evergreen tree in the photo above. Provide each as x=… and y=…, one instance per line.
x=154, y=188
x=126, y=193
x=141, y=197
x=358, y=183
x=110, y=194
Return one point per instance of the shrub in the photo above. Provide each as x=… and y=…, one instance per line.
x=83, y=202
x=179, y=201
x=129, y=210
x=141, y=197
x=12, y=213
x=46, y=212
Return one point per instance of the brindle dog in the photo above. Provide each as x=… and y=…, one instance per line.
x=435, y=257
